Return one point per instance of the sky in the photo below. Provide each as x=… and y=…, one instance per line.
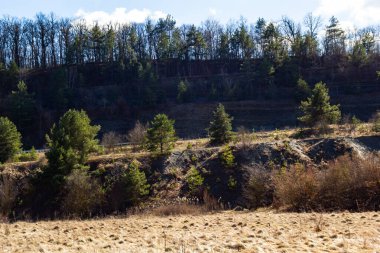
x=351, y=13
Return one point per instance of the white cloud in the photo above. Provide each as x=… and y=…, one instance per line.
x=213, y=12
x=119, y=15
x=351, y=13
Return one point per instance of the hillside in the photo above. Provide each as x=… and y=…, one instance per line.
x=230, y=184
x=116, y=103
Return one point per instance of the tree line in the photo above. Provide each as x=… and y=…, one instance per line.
x=49, y=41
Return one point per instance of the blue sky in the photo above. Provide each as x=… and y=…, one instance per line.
x=349, y=12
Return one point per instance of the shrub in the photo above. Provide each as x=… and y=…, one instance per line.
x=351, y=183
x=126, y=186
x=135, y=182
x=227, y=158
x=376, y=122
x=83, y=194
x=210, y=203
x=296, y=188
x=10, y=140
x=194, y=180
x=244, y=137
x=8, y=194
x=348, y=183
x=355, y=122
x=258, y=192
x=178, y=209
x=29, y=156
x=232, y=183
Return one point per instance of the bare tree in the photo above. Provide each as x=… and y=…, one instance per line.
x=137, y=135
x=110, y=140
x=312, y=23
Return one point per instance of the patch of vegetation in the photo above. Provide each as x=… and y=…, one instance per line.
x=28, y=156
x=376, y=122
x=348, y=183
x=126, y=186
x=194, y=180
x=232, y=183
x=226, y=157
x=82, y=194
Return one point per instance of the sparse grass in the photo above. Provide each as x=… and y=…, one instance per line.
x=264, y=231
x=178, y=209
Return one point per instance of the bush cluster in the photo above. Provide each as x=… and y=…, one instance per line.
x=348, y=183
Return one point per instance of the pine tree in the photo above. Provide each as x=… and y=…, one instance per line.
x=71, y=141
x=10, y=140
x=161, y=134
x=22, y=107
x=317, y=109
x=220, y=126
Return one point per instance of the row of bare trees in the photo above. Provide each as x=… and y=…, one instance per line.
x=47, y=41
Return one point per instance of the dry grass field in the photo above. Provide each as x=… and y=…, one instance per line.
x=261, y=231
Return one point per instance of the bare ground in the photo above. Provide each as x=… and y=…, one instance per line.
x=264, y=231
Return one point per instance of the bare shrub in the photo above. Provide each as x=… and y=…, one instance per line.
x=210, y=203
x=258, y=191
x=244, y=137
x=376, y=121
x=348, y=183
x=83, y=194
x=137, y=136
x=110, y=140
x=323, y=128
x=296, y=188
x=8, y=193
x=351, y=183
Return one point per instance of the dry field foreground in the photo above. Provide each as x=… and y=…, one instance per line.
x=223, y=232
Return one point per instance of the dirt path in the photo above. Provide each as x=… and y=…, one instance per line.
x=222, y=232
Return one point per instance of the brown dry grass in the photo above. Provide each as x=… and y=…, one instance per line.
x=262, y=231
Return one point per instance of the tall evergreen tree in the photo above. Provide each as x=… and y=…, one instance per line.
x=220, y=130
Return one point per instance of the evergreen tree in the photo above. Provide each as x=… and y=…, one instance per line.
x=183, y=92
x=161, y=134
x=22, y=107
x=334, y=42
x=220, y=126
x=70, y=142
x=317, y=109
x=136, y=185
x=10, y=140
x=303, y=90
